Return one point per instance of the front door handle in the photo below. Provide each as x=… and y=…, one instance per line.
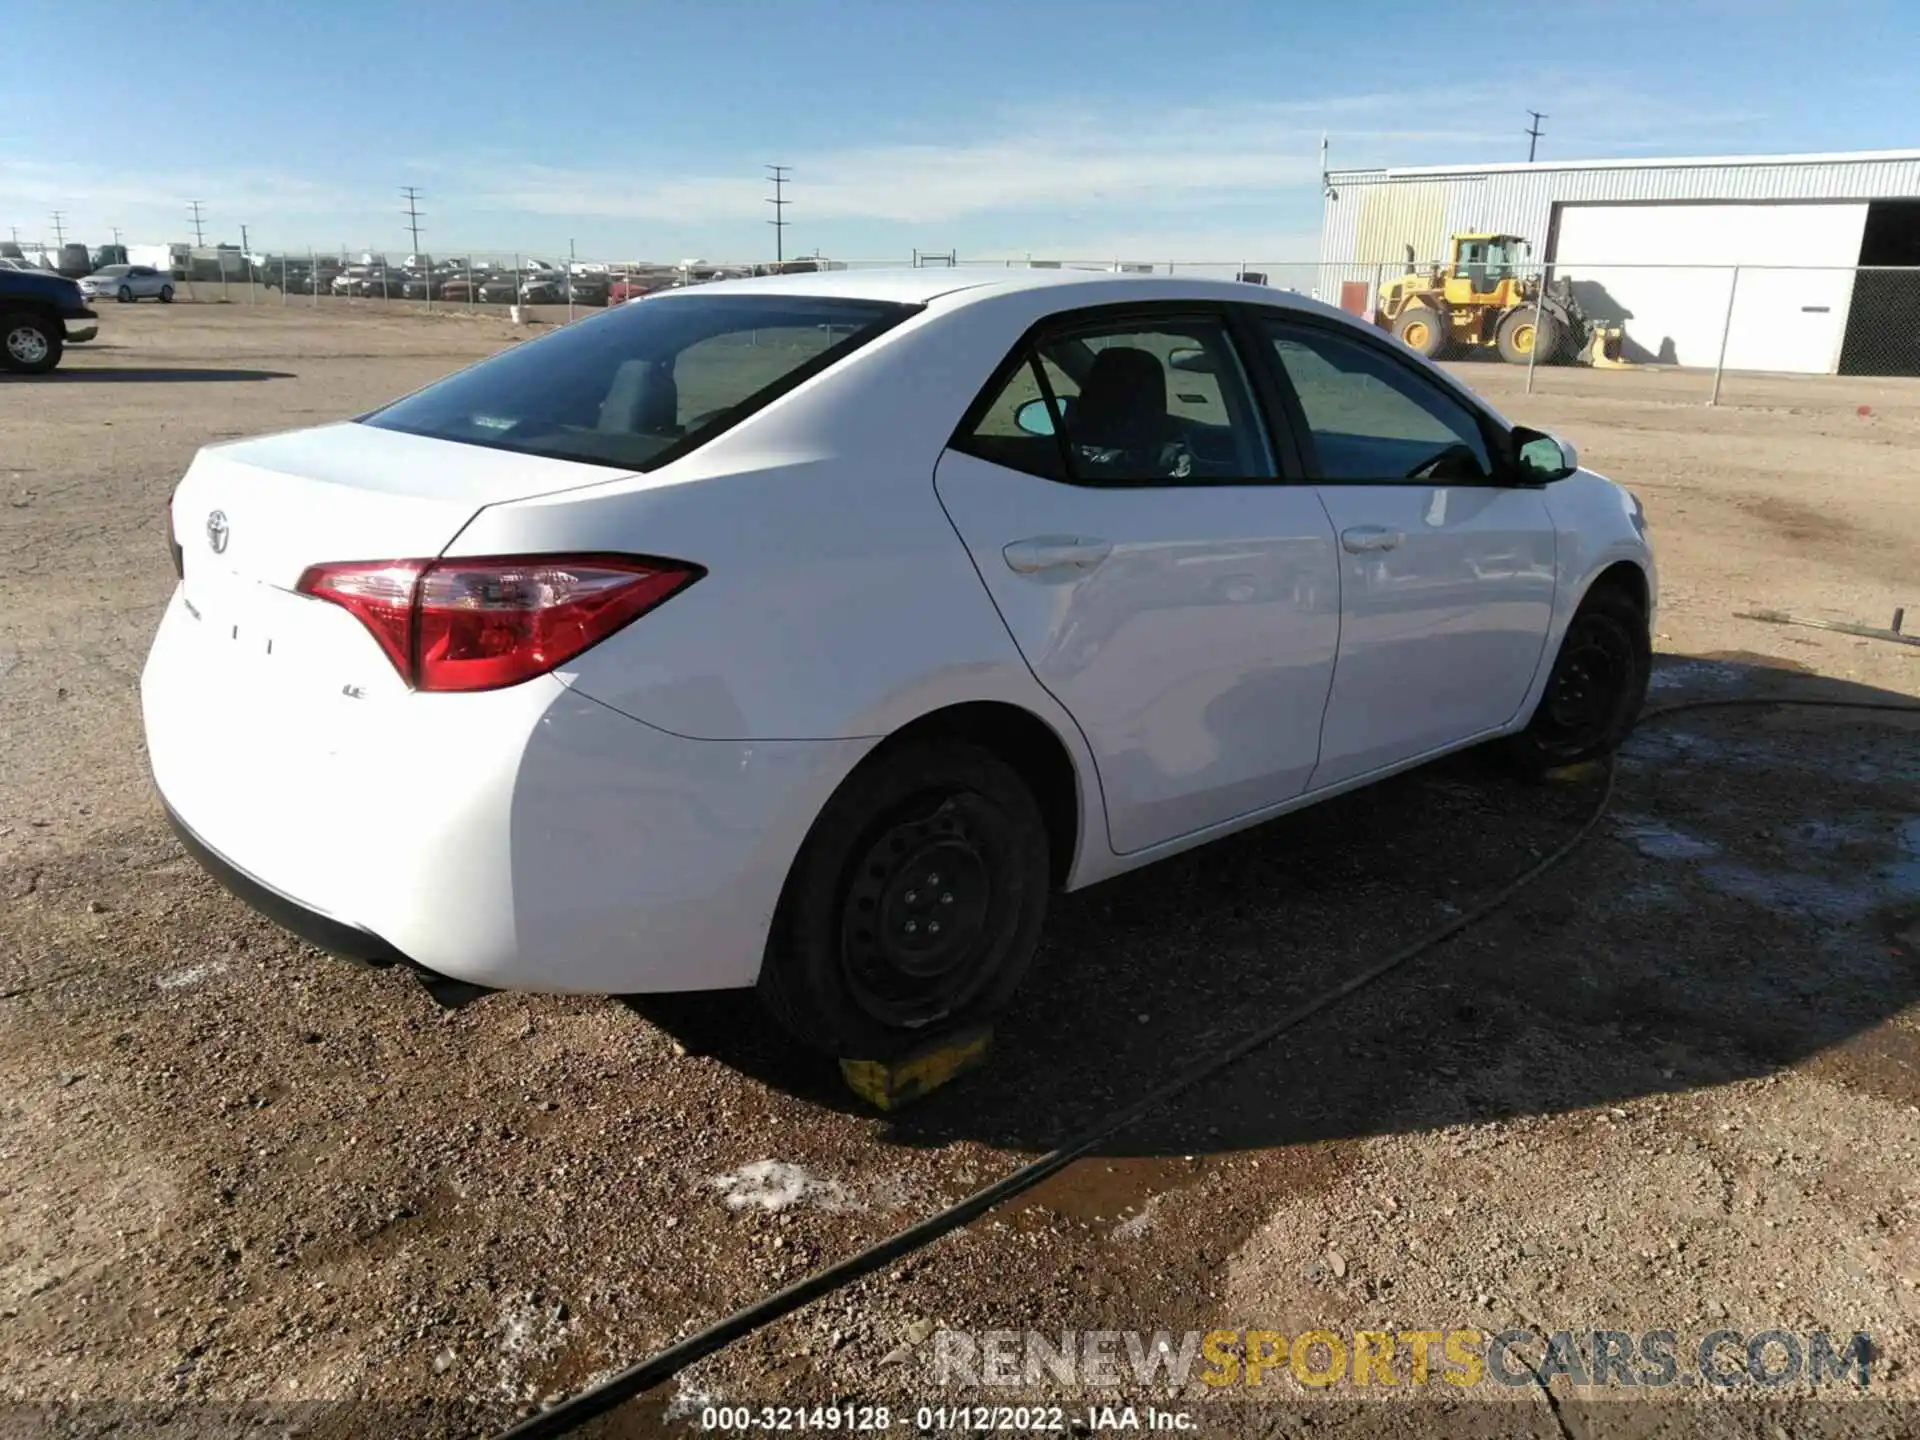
x=1360, y=539
x=1056, y=552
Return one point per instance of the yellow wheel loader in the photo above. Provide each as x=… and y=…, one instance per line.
x=1479, y=300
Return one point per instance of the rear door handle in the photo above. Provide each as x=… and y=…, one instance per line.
x=1056, y=552
x=1360, y=539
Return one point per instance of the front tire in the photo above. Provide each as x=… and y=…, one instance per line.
x=30, y=344
x=125, y=297
x=914, y=906
x=1526, y=328
x=1596, y=688
x=166, y=294
x=1423, y=329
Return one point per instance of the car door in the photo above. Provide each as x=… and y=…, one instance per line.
x=1174, y=587
x=144, y=281
x=1447, y=570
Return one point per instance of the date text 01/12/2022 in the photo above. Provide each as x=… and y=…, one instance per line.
x=980, y=1419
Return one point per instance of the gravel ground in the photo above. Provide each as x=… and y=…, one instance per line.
x=1675, y=1085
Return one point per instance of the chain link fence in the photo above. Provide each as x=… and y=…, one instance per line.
x=1688, y=333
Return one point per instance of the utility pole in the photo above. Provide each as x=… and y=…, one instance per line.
x=412, y=212
x=116, y=235
x=246, y=248
x=1533, y=134
x=778, y=175
x=199, y=231
x=59, y=233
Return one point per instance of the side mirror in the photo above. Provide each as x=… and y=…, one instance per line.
x=1034, y=417
x=1542, y=459
x=1192, y=359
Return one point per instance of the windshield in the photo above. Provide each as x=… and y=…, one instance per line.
x=638, y=385
x=111, y=270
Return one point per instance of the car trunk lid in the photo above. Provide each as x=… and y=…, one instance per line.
x=251, y=517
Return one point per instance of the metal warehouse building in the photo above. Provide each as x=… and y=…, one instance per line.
x=1652, y=245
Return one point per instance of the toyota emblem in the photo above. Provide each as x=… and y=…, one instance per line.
x=217, y=531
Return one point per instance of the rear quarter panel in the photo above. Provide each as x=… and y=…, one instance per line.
x=838, y=602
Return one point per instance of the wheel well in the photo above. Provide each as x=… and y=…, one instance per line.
x=1625, y=578
x=1029, y=745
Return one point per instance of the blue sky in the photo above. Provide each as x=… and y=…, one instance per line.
x=1058, y=128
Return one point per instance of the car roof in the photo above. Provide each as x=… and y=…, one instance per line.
x=971, y=283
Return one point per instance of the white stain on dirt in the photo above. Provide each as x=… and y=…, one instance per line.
x=775, y=1185
x=1659, y=841
x=528, y=1331
x=191, y=976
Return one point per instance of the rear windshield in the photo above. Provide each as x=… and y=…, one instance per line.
x=643, y=383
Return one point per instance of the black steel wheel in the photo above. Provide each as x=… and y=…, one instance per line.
x=915, y=905
x=1596, y=687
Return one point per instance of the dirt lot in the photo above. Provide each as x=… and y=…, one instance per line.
x=1675, y=1085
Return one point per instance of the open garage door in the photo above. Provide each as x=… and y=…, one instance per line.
x=1663, y=271
x=1883, y=328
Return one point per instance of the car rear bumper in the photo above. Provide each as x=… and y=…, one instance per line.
x=527, y=838
x=323, y=932
x=80, y=331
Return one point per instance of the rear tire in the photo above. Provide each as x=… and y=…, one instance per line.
x=1524, y=328
x=932, y=835
x=30, y=344
x=1423, y=329
x=166, y=294
x=1595, y=690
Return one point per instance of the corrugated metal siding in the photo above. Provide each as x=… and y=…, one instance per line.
x=1521, y=201
x=1393, y=217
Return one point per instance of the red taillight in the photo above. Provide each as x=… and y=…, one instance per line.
x=488, y=623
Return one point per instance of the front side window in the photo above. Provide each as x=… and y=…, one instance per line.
x=635, y=386
x=1373, y=419
x=1132, y=403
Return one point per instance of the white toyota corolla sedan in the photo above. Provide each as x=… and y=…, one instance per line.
x=804, y=633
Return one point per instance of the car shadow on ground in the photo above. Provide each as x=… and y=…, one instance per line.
x=1752, y=898
x=132, y=375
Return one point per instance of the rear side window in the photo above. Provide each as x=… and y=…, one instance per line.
x=643, y=383
x=1132, y=402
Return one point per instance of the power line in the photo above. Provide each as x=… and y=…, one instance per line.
x=412, y=212
x=1533, y=134
x=778, y=175
x=199, y=233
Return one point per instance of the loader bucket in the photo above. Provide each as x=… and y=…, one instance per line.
x=1605, y=346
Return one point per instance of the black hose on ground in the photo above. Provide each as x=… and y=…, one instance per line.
x=570, y=1414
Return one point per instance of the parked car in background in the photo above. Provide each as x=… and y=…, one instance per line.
x=127, y=283
x=500, y=290
x=420, y=287
x=544, y=288
x=461, y=288
x=632, y=287
x=682, y=681
x=41, y=313
x=587, y=289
